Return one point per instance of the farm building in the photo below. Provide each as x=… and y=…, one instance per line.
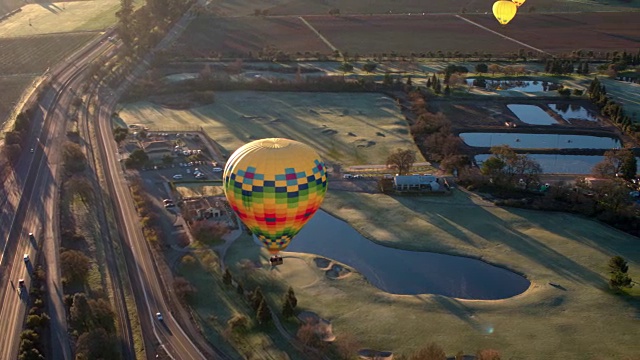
x=418, y=183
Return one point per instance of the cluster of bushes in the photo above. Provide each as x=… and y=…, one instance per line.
x=92, y=321
x=18, y=137
x=432, y=133
x=31, y=346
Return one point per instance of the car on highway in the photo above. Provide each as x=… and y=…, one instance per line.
x=177, y=176
x=166, y=201
x=31, y=150
x=216, y=169
x=31, y=236
x=21, y=287
x=26, y=258
x=201, y=176
x=159, y=316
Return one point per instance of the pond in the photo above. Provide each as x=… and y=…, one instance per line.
x=560, y=164
x=531, y=114
x=572, y=111
x=539, y=141
x=181, y=77
x=406, y=272
x=513, y=85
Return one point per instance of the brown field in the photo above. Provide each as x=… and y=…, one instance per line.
x=7, y=6
x=11, y=88
x=383, y=34
x=33, y=55
x=567, y=32
x=377, y=34
x=241, y=35
x=321, y=7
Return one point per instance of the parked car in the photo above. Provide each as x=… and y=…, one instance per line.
x=177, y=176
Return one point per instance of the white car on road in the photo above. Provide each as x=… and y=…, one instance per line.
x=177, y=176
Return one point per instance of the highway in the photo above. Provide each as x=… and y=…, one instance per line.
x=37, y=212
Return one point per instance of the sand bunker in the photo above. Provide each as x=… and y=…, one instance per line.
x=369, y=354
x=363, y=143
x=322, y=327
x=332, y=270
x=338, y=272
x=322, y=263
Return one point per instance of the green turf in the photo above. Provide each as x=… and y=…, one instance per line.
x=344, y=128
x=60, y=17
x=584, y=322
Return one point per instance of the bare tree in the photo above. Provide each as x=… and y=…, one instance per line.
x=402, y=160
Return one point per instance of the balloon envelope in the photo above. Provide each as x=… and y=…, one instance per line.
x=518, y=2
x=275, y=186
x=504, y=11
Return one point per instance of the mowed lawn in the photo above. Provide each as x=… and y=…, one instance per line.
x=345, y=128
x=60, y=17
x=583, y=321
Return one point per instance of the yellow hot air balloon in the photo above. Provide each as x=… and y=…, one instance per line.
x=518, y=2
x=504, y=11
x=275, y=186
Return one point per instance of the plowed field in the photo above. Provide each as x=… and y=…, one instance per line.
x=33, y=55
x=239, y=36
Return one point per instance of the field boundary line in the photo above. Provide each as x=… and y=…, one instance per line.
x=324, y=39
x=502, y=36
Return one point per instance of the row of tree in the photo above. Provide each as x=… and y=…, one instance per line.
x=31, y=346
x=597, y=93
x=16, y=139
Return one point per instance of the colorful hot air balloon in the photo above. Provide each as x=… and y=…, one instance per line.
x=518, y=2
x=275, y=186
x=504, y=11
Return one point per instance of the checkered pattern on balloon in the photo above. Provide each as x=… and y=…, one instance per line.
x=276, y=203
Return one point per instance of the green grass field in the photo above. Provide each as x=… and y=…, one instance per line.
x=60, y=17
x=344, y=128
x=584, y=322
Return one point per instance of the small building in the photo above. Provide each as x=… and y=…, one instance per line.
x=156, y=150
x=418, y=183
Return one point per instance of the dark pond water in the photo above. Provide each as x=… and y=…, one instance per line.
x=539, y=141
x=531, y=114
x=560, y=164
x=576, y=112
x=514, y=85
x=406, y=272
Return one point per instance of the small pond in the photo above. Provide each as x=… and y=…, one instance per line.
x=531, y=114
x=513, y=85
x=406, y=272
x=181, y=77
x=539, y=141
x=572, y=111
x=560, y=164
